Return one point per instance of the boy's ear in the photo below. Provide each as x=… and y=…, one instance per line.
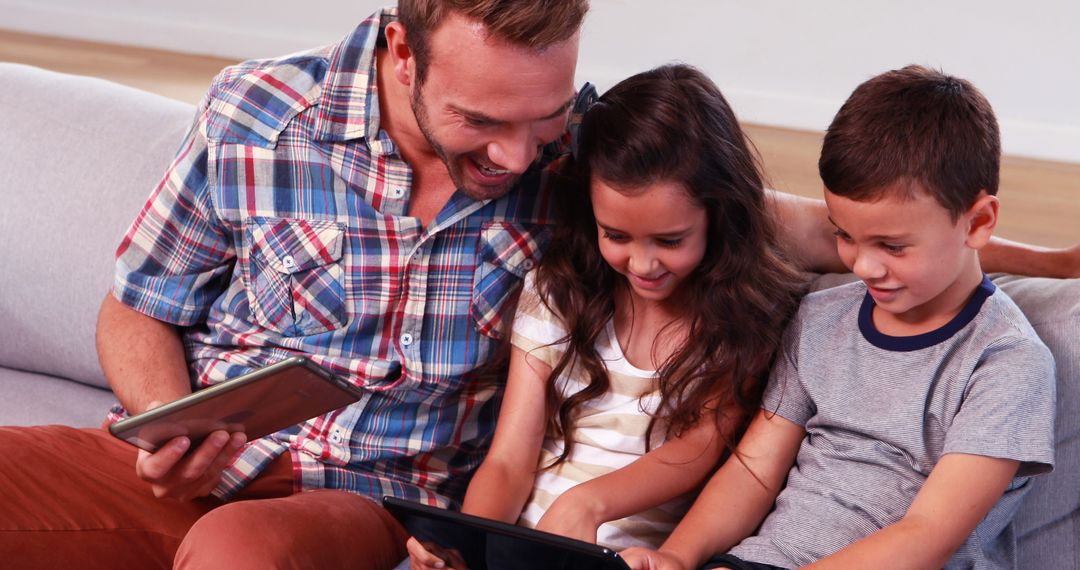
x=981, y=220
x=401, y=56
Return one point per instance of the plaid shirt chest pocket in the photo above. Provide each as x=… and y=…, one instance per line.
x=507, y=251
x=295, y=282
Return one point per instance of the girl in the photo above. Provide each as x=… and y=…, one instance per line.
x=642, y=339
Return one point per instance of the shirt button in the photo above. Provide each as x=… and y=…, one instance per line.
x=288, y=262
x=335, y=437
x=528, y=264
x=397, y=192
x=406, y=339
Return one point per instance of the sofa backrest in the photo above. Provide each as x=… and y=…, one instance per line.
x=79, y=157
x=1048, y=524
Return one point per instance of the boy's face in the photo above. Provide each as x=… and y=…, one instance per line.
x=919, y=265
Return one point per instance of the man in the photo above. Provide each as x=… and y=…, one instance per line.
x=354, y=204
x=373, y=205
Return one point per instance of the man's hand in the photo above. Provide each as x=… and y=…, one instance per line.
x=428, y=556
x=174, y=473
x=638, y=558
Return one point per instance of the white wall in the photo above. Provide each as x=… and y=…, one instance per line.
x=781, y=62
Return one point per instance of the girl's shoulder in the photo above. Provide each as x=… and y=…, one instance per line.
x=534, y=309
x=531, y=300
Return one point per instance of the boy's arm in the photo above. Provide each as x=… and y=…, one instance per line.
x=505, y=479
x=807, y=236
x=736, y=499
x=960, y=491
x=678, y=466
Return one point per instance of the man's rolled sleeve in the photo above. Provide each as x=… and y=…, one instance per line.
x=176, y=258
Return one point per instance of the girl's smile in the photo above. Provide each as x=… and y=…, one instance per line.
x=655, y=236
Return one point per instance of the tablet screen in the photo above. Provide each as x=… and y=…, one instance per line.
x=484, y=544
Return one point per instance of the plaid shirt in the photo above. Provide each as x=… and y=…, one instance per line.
x=281, y=229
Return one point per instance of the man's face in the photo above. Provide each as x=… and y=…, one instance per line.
x=911, y=254
x=486, y=106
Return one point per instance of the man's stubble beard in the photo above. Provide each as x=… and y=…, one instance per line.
x=452, y=163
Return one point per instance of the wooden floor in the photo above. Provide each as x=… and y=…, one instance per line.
x=1040, y=200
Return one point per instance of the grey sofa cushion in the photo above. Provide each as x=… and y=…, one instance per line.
x=79, y=158
x=1048, y=524
x=36, y=399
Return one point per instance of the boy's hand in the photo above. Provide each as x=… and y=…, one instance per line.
x=173, y=472
x=428, y=556
x=638, y=558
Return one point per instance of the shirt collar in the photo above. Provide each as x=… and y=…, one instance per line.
x=349, y=106
x=925, y=340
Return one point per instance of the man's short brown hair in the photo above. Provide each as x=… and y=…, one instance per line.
x=534, y=24
x=913, y=127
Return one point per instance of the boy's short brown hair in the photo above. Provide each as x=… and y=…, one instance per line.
x=534, y=24
x=910, y=128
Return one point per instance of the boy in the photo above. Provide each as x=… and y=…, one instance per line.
x=911, y=407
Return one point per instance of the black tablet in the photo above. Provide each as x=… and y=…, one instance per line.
x=485, y=544
x=258, y=403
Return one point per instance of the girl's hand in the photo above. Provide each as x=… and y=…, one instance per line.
x=421, y=558
x=638, y=558
x=570, y=518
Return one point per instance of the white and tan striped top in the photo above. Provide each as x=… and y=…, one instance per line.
x=609, y=432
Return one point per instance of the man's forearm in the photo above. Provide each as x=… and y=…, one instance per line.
x=1006, y=256
x=806, y=235
x=805, y=232
x=142, y=358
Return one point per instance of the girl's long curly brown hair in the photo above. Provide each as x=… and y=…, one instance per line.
x=672, y=124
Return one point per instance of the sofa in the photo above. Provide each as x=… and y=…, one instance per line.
x=80, y=157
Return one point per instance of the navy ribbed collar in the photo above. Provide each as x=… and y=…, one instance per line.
x=927, y=339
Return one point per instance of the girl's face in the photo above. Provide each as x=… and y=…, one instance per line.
x=655, y=236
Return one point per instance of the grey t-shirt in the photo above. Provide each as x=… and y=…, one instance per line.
x=880, y=411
